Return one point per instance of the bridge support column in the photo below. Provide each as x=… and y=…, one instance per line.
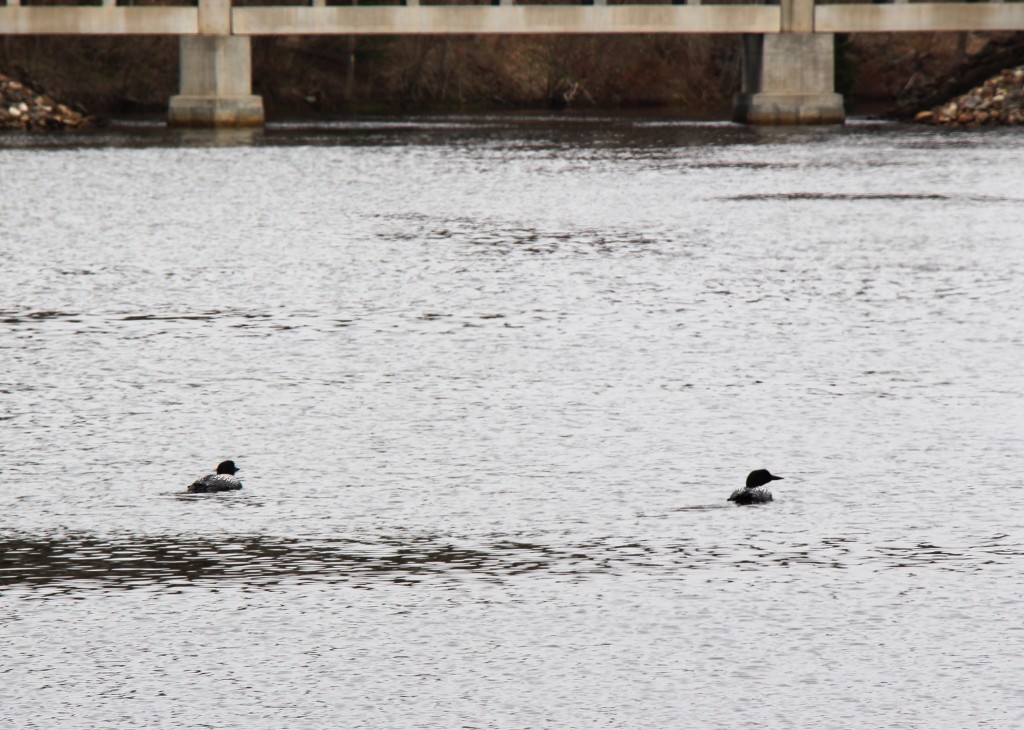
x=788, y=78
x=216, y=84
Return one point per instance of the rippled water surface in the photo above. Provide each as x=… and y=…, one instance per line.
x=490, y=382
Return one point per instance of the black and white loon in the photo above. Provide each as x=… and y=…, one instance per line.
x=223, y=481
x=754, y=492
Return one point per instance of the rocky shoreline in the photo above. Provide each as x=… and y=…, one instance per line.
x=1000, y=100
x=24, y=108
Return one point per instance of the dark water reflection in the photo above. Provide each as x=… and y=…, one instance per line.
x=72, y=563
x=81, y=562
x=580, y=133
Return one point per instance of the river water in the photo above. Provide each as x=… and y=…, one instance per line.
x=490, y=381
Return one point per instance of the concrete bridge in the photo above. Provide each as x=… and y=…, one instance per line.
x=787, y=47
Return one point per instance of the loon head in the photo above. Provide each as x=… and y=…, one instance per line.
x=760, y=477
x=228, y=467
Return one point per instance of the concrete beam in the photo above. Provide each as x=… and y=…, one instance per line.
x=797, y=16
x=215, y=17
x=511, y=19
x=106, y=20
x=914, y=17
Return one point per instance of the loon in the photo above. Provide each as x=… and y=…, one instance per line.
x=223, y=481
x=754, y=492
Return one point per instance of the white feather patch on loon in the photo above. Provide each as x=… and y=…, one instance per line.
x=223, y=481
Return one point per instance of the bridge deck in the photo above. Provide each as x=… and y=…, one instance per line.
x=509, y=19
x=918, y=17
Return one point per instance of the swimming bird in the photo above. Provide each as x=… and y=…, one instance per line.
x=223, y=481
x=754, y=492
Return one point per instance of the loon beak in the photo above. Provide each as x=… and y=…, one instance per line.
x=775, y=477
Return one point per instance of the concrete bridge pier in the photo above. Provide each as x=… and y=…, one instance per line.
x=788, y=78
x=216, y=84
x=215, y=75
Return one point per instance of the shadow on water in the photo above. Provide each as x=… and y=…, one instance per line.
x=648, y=131
x=523, y=131
x=71, y=563
x=75, y=562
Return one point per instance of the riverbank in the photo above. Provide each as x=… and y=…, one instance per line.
x=890, y=75
x=23, y=108
x=899, y=75
x=1000, y=100
x=297, y=76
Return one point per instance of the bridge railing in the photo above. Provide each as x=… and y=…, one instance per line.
x=403, y=17
x=390, y=3
x=237, y=4
x=98, y=17
x=383, y=17
x=97, y=3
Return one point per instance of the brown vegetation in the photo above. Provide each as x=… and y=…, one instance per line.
x=896, y=74
x=298, y=75
x=899, y=74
